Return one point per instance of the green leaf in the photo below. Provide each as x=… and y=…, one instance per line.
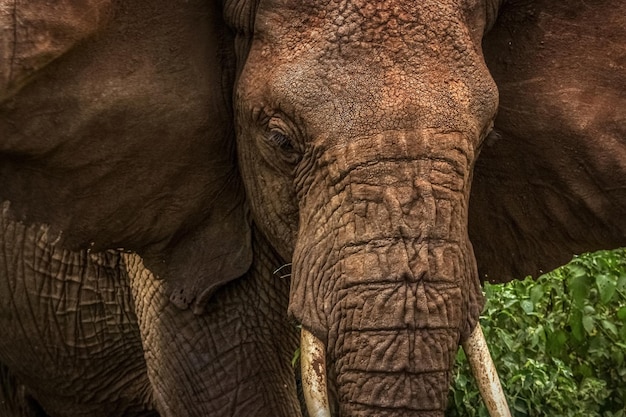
x=622, y=333
x=527, y=306
x=589, y=324
x=536, y=293
x=575, y=270
x=621, y=281
x=610, y=327
x=589, y=310
x=576, y=325
x=556, y=341
x=585, y=370
x=295, y=358
x=556, y=355
x=579, y=285
x=606, y=286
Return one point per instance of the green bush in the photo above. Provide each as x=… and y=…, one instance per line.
x=558, y=342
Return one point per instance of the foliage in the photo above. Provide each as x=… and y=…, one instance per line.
x=558, y=342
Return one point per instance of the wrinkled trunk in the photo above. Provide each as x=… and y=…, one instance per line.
x=394, y=344
x=315, y=381
x=399, y=325
x=384, y=272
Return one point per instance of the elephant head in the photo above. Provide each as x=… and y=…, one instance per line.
x=358, y=127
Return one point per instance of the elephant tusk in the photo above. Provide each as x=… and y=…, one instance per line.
x=313, y=360
x=484, y=371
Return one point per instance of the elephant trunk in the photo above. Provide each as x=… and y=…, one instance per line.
x=384, y=274
x=398, y=329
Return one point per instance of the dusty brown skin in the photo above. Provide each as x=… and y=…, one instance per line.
x=367, y=118
x=365, y=140
x=551, y=181
x=68, y=328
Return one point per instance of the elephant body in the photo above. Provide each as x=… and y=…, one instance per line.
x=68, y=317
x=73, y=337
x=160, y=161
x=116, y=137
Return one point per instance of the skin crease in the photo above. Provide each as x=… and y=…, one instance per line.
x=72, y=316
x=73, y=336
x=242, y=339
x=366, y=153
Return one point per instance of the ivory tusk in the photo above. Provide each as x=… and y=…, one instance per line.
x=313, y=361
x=484, y=371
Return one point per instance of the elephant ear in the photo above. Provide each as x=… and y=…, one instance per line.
x=550, y=181
x=35, y=32
x=218, y=251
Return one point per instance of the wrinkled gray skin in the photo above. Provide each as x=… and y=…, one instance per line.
x=393, y=151
x=73, y=334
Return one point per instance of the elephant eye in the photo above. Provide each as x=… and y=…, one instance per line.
x=287, y=152
x=280, y=140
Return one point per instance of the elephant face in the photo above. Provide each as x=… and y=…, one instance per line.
x=358, y=127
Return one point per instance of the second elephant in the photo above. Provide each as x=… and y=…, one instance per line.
x=116, y=136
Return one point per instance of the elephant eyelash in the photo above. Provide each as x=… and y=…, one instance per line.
x=280, y=140
x=277, y=138
x=288, y=152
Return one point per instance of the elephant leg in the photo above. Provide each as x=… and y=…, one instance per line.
x=69, y=331
x=232, y=360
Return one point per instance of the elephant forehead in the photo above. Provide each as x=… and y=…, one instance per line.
x=434, y=28
x=386, y=65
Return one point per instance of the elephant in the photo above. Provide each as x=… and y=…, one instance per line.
x=117, y=151
x=415, y=148
x=160, y=162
